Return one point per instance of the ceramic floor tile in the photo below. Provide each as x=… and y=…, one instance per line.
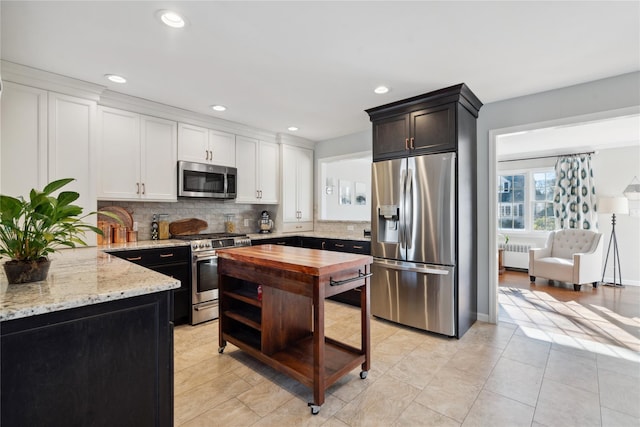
x=516, y=380
x=295, y=412
x=380, y=404
x=450, y=395
x=620, y=392
x=418, y=415
x=265, y=397
x=577, y=371
x=207, y=396
x=527, y=350
x=416, y=371
x=611, y=418
x=491, y=409
x=229, y=413
x=560, y=404
x=202, y=372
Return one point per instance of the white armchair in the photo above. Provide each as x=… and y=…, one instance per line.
x=570, y=255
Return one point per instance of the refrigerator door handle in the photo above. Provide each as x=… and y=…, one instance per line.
x=424, y=270
x=403, y=211
x=408, y=209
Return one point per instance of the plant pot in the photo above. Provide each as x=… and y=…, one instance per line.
x=27, y=271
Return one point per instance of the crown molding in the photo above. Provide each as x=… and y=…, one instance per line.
x=21, y=74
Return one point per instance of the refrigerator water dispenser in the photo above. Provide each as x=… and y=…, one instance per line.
x=388, y=220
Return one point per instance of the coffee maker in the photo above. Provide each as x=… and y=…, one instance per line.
x=265, y=223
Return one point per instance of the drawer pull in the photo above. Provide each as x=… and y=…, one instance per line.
x=361, y=275
x=338, y=245
x=166, y=255
x=358, y=247
x=136, y=258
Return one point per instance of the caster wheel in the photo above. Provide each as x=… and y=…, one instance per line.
x=220, y=350
x=314, y=408
x=363, y=374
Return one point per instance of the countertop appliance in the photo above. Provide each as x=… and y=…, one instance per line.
x=206, y=181
x=265, y=223
x=413, y=237
x=204, y=271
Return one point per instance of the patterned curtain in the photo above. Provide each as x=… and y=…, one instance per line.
x=574, y=199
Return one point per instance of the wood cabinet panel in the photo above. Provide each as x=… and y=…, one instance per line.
x=103, y=364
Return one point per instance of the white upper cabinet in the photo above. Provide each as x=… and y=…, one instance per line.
x=257, y=163
x=202, y=145
x=297, y=189
x=72, y=144
x=138, y=156
x=23, y=153
x=48, y=136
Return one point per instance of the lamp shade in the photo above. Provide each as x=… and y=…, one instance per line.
x=613, y=205
x=632, y=192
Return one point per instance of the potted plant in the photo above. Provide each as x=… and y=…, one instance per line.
x=32, y=229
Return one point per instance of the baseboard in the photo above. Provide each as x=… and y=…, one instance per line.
x=482, y=317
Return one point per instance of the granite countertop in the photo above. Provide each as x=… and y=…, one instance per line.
x=143, y=244
x=80, y=277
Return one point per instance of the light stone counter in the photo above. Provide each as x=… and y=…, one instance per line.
x=143, y=244
x=79, y=277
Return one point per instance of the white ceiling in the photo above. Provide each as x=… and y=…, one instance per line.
x=315, y=64
x=583, y=137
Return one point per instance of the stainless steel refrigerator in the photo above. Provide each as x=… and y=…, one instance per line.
x=413, y=242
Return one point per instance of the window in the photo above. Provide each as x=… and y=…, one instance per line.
x=525, y=200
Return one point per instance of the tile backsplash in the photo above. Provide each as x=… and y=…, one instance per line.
x=211, y=211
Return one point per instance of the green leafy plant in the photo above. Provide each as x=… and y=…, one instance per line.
x=32, y=229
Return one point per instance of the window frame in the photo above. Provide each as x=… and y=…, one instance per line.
x=529, y=199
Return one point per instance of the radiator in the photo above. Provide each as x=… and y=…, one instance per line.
x=516, y=255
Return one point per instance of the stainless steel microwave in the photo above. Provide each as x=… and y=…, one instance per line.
x=208, y=181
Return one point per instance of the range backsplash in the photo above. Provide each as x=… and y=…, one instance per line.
x=211, y=211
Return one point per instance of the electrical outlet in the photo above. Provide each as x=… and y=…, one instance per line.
x=349, y=227
x=246, y=222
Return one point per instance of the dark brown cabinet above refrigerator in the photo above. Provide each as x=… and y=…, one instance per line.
x=423, y=124
x=424, y=203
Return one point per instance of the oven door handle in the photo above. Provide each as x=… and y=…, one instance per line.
x=201, y=257
x=205, y=306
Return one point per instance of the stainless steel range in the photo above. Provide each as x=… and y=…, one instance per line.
x=204, y=271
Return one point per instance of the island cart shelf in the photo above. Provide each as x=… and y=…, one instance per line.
x=272, y=307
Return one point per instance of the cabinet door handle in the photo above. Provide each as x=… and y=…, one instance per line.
x=206, y=154
x=338, y=245
x=135, y=258
x=412, y=146
x=166, y=255
x=211, y=151
x=260, y=191
x=144, y=189
x=323, y=243
x=138, y=188
x=406, y=143
x=358, y=247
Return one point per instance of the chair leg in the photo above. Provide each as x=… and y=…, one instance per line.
x=595, y=285
x=532, y=278
x=576, y=287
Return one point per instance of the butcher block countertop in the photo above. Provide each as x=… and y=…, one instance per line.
x=311, y=262
x=79, y=277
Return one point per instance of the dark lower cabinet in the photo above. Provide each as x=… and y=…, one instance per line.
x=108, y=364
x=171, y=261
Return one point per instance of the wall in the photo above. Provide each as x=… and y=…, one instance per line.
x=211, y=211
x=613, y=171
x=344, y=145
x=600, y=96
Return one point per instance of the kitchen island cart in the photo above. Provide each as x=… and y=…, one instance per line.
x=272, y=307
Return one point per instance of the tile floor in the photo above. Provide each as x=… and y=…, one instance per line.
x=569, y=368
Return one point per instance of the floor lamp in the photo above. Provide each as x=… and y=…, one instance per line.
x=613, y=206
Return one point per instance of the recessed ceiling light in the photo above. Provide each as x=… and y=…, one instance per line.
x=171, y=19
x=292, y=128
x=381, y=89
x=115, y=78
x=219, y=107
